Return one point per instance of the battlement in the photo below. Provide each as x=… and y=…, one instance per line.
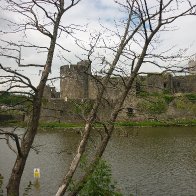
x=80, y=67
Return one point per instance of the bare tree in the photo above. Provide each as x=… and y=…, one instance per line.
x=135, y=47
x=44, y=17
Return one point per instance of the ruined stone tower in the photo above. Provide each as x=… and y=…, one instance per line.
x=74, y=81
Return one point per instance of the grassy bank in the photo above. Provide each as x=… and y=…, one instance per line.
x=13, y=123
x=50, y=125
x=60, y=125
x=157, y=123
x=124, y=124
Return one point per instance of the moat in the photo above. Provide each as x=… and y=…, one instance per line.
x=145, y=161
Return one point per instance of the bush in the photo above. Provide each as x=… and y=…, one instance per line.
x=10, y=99
x=100, y=183
x=191, y=97
x=168, y=98
x=155, y=106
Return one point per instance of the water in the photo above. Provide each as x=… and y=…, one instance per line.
x=144, y=161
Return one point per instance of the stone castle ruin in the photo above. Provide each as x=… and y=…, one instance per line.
x=77, y=83
x=78, y=86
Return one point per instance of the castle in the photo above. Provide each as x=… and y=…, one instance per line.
x=78, y=85
x=77, y=82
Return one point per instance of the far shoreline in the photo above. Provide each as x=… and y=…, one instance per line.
x=67, y=125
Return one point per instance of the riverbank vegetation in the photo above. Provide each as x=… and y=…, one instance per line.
x=147, y=123
x=162, y=103
x=11, y=99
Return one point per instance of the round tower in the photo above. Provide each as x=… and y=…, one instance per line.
x=74, y=80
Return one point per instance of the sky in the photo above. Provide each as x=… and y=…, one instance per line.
x=90, y=14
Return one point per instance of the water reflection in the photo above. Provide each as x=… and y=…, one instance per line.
x=155, y=162
x=145, y=161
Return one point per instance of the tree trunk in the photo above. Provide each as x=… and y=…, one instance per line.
x=14, y=181
x=27, y=140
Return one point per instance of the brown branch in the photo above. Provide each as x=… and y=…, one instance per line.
x=15, y=138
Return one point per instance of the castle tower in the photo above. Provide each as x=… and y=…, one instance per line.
x=74, y=81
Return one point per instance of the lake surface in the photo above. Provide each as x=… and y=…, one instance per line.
x=144, y=161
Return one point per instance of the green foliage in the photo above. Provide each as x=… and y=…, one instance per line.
x=157, y=123
x=180, y=103
x=143, y=94
x=100, y=183
x=168, y=98
x=140, y=124
x=59, y=125
x=183, y=104
x=191, y=97
x=10, y=99
x=155, y=106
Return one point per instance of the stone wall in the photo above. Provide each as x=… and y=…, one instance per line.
x=112, y=91
x=73, y=110
x=50, y=92
x=184, y=84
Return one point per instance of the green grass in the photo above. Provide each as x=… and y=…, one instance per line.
x=124, y=124
x=57, y=125
x=60, y=125
x=157, y=123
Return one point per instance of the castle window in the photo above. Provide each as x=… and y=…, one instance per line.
x=164, y=84
x=129, y=112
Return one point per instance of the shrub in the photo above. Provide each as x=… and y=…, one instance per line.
x=100, y=183
x=168, y=98
x=191, y=97
x=155, y=106
x=10, y=99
